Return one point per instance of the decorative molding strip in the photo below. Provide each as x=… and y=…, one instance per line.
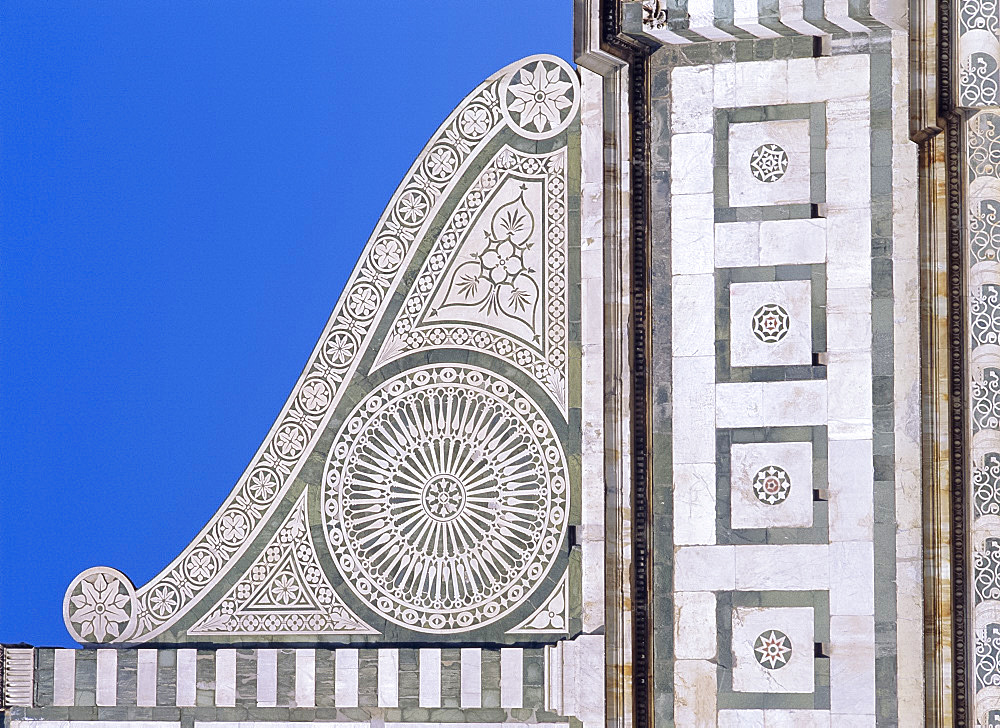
x=16, y=670
x=699, y=21
x=636, y=115
x=313, y=678
x=982, y=277
x=978, y=54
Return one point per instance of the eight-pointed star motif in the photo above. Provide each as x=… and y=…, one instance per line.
x=99, y=609
x=772, y=649
x=540, y=97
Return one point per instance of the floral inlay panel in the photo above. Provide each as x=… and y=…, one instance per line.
x=496, y=278
x=285, y=591
x=510, y=302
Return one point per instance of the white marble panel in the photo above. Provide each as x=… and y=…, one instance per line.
x=694, y=503
x=388, y=678
x=849, y=248
x=32, y=723
x=852, y=665
x=773, y=650
x=691, y=164
x=848, y=177
x=746, y=718
x=847, y=122
x=693, y=320
x=107, y=677
x=790, y=242
x=592, y=310
x=724, y=85
x=145, y=678
x=761, y=83
x=692, y=218
x=852, y=578
x=849, y=378
x=346, y=678
x=761, y=404
x=694, y=405
x=754, y=176
x=695, y=634
x=794, y=403
x=305, y=678
x=771, y=485
x=737, y=244
x=800, y=719
x=848, y=319
x=64, y=677
x=187, y=678
x=272, y=724
x=472, y=677
x=705, y=568
x=851, y=490
x=770, y=323
x=511, y=677
x=782, y=567
x=695, y=691
x=430, y=677
x=842, y=77
x=695, y=114
x=225, y=678
x=803, y=81
x=267, y=678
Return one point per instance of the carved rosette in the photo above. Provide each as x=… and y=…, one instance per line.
x=540, y=96
x=445, y=499
x=100, y=606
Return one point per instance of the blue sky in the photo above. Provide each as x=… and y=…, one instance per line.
x=184, y=187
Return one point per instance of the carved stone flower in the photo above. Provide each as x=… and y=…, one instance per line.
x=387, y=254
x=502, y=262
x=200, y=567
x=442, y=162
x=289, y=441
x=263, y=485
x=411, y=207
x=539, y=97
x=315, y=396
x=163, y=600
x=340, y=348
x=234, y=527
x=284, y=590
x=99, y=609
x=475, y=121
x=363, y=301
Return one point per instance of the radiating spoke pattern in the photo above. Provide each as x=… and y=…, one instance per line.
x=445, y=498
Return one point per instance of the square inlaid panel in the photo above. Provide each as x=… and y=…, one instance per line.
x=773, y=649
x=770, y=323
x=771, y=485
x=769, y=163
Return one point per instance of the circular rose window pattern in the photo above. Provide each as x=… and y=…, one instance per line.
x=770, y=323
x=768, y=163
x=771, y=485
x=772, y=649
x=445, y=499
